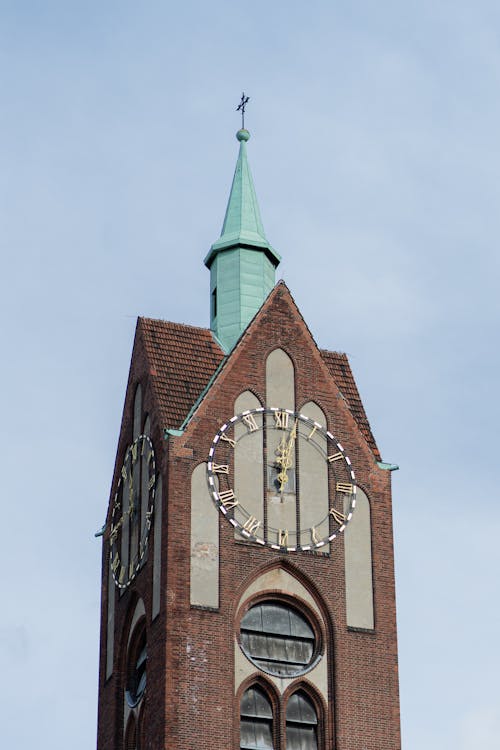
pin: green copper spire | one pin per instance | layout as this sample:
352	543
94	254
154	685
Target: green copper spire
241	262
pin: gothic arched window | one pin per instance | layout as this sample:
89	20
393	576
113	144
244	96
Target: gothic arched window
136	665
256	725
301	723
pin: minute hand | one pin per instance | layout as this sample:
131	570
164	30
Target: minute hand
286	460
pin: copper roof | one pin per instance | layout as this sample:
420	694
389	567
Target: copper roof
182	359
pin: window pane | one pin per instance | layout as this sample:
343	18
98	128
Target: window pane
301	723
256	726
278	638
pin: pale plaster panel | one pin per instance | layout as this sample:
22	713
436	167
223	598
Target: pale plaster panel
281	504
249	462
280	392
204	589
358	566
281	580
110	625
157	549
280	380
314	503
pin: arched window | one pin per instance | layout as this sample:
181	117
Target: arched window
301	723
256	725
136	665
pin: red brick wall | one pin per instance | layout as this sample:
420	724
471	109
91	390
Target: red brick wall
190	700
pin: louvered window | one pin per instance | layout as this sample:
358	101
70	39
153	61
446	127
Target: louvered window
301	723
278	639
256	728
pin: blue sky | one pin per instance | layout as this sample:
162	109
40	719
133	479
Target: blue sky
375	154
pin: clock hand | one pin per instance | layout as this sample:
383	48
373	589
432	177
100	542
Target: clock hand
287	457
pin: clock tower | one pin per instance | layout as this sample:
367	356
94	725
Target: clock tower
248	593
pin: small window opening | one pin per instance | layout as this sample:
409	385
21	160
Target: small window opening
214	302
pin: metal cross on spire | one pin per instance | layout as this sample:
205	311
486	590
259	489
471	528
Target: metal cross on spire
241	107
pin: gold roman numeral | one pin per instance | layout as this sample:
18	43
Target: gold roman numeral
337	516
251	525
114	534
116	563
312	432
283	537
346	487
134	452
220	468
281	419
314	536
123	573
335	457
124	472
227	439
151	482
228	499
250	422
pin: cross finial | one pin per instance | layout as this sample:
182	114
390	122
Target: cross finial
241	107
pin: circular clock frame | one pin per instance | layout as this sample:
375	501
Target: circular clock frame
293	426
123	575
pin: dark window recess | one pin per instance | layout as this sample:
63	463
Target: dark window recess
214	302
278	639
136	668
256	727
301	723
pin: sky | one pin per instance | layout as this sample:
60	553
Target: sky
375	152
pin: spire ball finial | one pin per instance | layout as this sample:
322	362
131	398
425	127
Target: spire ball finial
242	135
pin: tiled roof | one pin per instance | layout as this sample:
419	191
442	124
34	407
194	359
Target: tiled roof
182	359
339	366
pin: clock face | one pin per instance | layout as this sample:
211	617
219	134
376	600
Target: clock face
132	512
281	479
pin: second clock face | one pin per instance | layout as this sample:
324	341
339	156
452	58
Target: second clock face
281	479
132	511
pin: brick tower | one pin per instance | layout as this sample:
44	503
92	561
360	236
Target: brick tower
247	580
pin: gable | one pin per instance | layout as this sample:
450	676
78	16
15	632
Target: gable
183	359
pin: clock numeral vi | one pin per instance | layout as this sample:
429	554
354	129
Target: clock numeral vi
283	537
314	536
